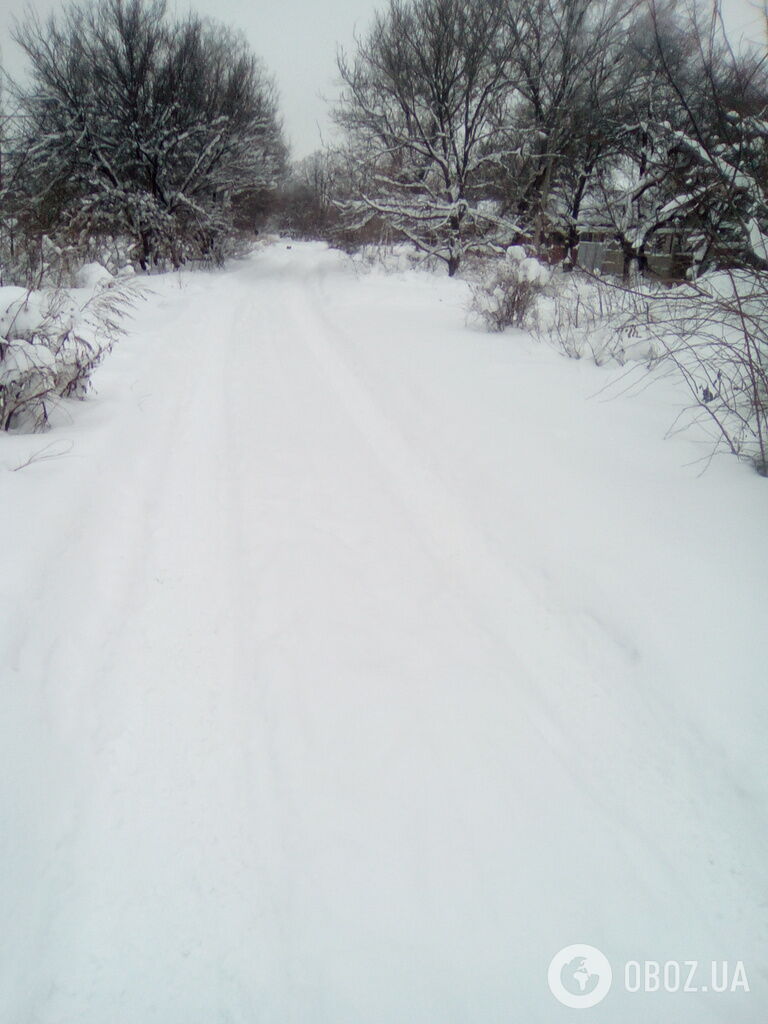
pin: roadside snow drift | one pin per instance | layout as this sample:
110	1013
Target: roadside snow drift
355	661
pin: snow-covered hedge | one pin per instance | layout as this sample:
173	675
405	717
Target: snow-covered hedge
54	260
590	317
713	332
52	339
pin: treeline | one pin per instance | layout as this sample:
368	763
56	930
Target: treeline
522	128
466	126
470	125
156	135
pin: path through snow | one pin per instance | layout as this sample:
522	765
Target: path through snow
355	662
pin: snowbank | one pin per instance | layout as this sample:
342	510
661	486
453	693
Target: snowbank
711	333
51	341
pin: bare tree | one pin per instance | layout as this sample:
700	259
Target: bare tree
423	102
141	126
695	157
566	61
312	191
720	142
721	186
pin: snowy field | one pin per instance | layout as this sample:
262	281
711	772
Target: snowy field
355	661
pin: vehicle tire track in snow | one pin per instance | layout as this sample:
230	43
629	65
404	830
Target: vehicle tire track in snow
571	656
317	764
455	543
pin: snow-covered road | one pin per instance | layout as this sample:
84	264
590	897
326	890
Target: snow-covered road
354	662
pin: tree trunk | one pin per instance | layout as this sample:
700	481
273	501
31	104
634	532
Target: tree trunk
635	263
573	233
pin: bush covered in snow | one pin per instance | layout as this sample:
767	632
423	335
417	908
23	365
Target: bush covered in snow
35	260
600	319
52	339
505	291
392	258
713	332
717	338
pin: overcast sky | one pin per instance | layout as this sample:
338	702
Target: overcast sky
297	40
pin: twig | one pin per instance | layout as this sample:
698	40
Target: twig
44	453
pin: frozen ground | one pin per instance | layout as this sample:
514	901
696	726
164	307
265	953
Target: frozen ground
354	661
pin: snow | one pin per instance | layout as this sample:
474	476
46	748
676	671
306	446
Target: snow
356	661
22	313
526	267
758	240
93	276
51	339
21	357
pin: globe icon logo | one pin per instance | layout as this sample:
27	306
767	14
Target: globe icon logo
579	976
576	979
